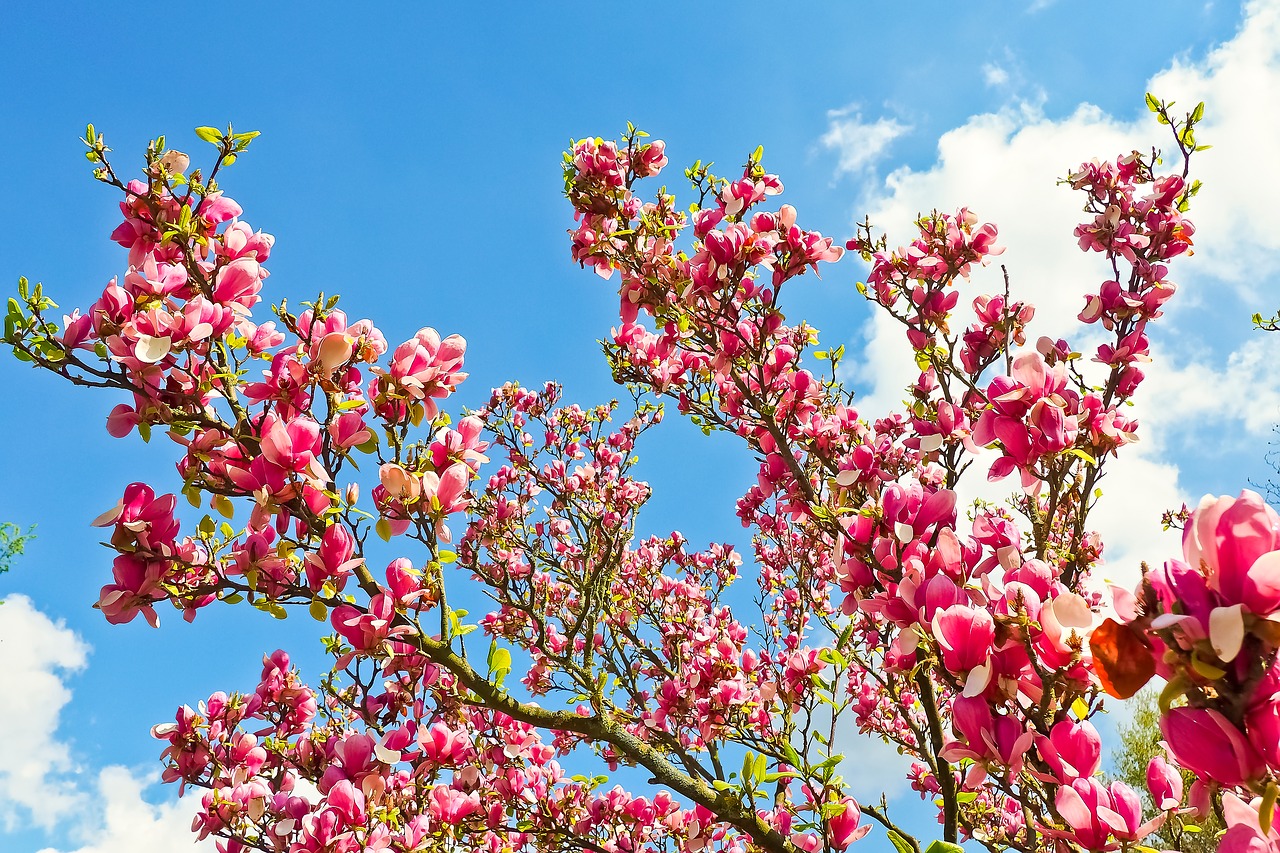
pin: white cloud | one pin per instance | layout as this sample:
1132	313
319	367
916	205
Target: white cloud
35	652
859	144
1003	165
993	75
1242	395
124	822
1234	213
40	781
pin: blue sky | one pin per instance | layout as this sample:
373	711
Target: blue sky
410	161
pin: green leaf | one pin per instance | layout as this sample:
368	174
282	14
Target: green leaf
1267	811
1153	103
318	611
1198	112
1089	460
899	843
832	809
499	663
1205	669
758	154
943	847
447	557
209	134
383	529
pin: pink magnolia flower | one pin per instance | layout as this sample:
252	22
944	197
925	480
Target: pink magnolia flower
218	208
447	492
401	484
294	447
1101	818
1164	781
451	806
986	737
965	635
1032	414
239	283
1072	750
1206	743
843	828
334	560
349	430
1238	541
333	351
425	369
239	240
1262	719
443	745
348	801
461	444
404	583
368	629
143	519
1244	827
137	587
648	160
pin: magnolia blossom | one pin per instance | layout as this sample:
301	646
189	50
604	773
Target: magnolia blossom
970	638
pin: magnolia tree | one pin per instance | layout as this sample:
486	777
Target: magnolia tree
970	635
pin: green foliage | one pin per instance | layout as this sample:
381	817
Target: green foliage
1139	742
13	541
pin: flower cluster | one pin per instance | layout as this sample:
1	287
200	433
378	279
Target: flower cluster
972	638
1209	624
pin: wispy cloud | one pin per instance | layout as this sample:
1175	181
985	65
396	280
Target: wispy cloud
994	76
859	144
